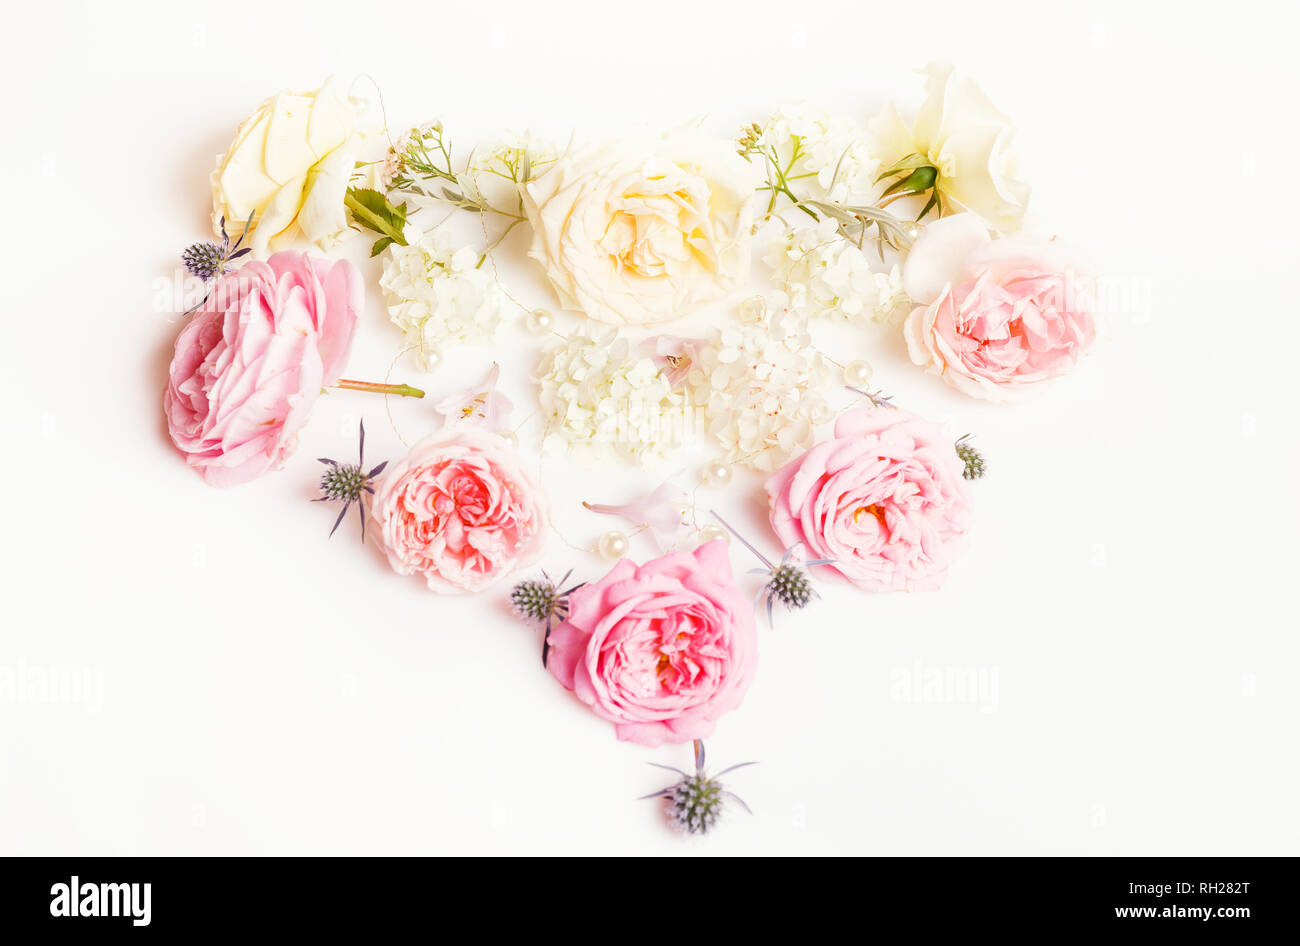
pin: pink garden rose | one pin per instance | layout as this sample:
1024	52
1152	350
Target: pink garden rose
661	650
994	316
460	511
253	359
884	498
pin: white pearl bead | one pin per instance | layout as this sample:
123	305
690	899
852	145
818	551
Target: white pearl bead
432	359
613	544
509	437
857	374
713	533
539	321
717	473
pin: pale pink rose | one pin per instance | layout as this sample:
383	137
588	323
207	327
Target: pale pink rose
460	511
994	316
253	359
884	499
661	650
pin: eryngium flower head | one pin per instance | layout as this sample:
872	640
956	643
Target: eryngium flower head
209	260
696	801
343	483
541	601
787	582
974	461
696	804
204	260
790	585
538	599
347	483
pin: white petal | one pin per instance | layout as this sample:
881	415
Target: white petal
939	255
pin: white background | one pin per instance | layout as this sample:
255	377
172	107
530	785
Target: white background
190	670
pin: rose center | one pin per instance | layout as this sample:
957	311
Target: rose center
872	510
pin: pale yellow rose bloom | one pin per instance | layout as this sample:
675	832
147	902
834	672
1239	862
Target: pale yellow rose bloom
962	134
631	235
290	165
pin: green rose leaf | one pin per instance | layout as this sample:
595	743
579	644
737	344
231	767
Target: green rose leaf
376	212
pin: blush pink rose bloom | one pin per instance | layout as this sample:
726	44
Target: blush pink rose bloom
884	498
460	511
251	362
661	650
994	317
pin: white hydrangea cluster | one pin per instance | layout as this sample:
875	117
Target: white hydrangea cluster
829	155
824	274
496	170
599	398
439	296
762	386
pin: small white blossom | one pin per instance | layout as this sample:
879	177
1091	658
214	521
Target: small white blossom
833	158
496	171
826	275
600	398
439	296
479	405
763	387
380	173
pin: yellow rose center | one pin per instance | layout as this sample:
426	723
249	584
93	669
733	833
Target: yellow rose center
872	510
659	226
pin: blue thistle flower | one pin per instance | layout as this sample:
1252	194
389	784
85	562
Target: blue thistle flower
346	483
696	800
787	582
540	601
972	459
207	261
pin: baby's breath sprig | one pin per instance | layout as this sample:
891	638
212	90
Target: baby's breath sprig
345	483
695	801
541	601
425	169
425	156
779	175
747	143
854	221
428	171
788	582
972	458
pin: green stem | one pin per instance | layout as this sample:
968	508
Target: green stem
397	390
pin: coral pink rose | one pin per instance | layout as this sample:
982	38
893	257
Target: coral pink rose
994	316
661	650
460	511
251	362
884	499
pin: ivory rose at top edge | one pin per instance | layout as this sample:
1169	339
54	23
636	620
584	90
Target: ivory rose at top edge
967	140
290	164
631	236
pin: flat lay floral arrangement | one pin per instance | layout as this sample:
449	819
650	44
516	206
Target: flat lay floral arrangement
903	222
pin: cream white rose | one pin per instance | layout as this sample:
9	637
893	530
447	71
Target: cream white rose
290	165
967	140
638	236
